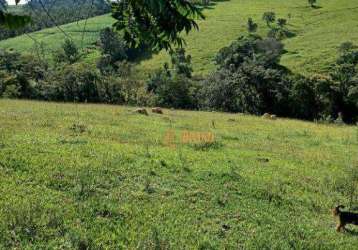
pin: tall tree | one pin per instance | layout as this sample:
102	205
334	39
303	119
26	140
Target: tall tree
157	23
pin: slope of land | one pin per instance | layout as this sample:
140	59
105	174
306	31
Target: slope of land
102	177
319	31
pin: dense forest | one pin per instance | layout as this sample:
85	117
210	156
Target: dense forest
49	13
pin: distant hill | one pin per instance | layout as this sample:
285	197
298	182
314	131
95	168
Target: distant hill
319	31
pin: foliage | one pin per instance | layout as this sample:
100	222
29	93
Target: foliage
60	12
251	25
68	53
158	23
313	51
269	17
266	51
345	85
312	2
112	45
115	51
248	79
173	86
10	20
181	63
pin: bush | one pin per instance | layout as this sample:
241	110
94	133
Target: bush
80	84
173	91
68	53
112	46
115	50
17	74
173	86
251	89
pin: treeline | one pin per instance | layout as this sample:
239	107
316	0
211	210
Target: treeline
249	79
57	12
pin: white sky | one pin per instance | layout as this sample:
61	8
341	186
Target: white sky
12	2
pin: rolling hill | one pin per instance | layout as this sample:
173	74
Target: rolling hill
319	31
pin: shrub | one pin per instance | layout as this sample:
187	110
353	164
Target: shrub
116	51
112	46
251	26
249	78
68	53
269	17
78	83
173	86
251	89
266	52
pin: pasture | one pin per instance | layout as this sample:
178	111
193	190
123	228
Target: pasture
85	176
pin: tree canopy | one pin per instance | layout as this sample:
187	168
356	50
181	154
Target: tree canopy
157	23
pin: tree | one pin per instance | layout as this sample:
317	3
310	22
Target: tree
251	26
68	52
181	63
157	23
269	17
112	45
9	20
312	2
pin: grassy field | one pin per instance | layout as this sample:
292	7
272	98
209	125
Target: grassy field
102	177
318	31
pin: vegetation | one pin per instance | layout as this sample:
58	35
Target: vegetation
312	50
49	13
312	3
249	79
129	179
9	20
94	176
156	23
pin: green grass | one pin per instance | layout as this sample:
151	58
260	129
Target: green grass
98	176
318	33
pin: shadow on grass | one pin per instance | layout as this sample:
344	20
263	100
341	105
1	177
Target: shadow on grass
352	232
212	4
316	7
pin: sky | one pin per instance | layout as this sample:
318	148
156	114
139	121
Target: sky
11	2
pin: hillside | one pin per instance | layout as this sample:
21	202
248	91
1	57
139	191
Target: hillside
101	177
318	32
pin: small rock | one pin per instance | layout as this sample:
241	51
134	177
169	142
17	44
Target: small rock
266	116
